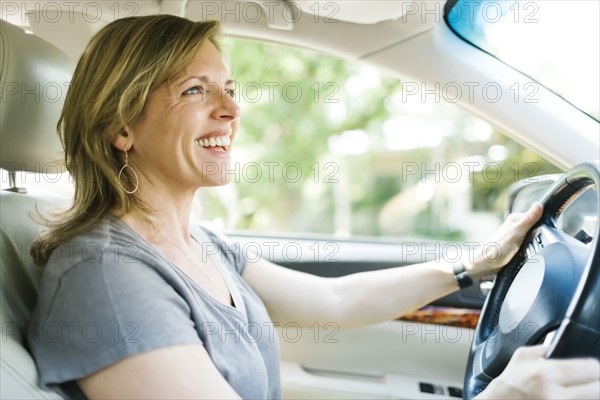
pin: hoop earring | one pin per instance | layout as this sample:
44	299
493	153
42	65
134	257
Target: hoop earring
132	171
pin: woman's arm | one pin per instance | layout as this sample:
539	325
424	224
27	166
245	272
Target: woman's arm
375	296
175	372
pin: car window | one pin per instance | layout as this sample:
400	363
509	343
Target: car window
333	147
555	42
580	216
50	177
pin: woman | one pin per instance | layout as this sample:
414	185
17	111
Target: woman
141	308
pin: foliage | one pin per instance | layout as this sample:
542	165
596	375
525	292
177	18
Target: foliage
292	176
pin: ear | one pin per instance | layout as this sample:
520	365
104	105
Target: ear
122	140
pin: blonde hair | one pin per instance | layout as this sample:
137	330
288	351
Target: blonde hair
121	65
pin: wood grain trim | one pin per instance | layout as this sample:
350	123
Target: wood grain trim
460	317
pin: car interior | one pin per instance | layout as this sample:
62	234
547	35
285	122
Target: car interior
414	358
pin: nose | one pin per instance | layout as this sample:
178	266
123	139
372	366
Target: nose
225	107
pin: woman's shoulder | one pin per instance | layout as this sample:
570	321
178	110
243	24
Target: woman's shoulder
109	242
110	258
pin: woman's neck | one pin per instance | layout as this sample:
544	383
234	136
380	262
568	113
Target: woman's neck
170	217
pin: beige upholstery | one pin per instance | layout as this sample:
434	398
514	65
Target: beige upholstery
35	77
28	142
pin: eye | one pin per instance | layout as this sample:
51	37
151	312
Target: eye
197	89
230	92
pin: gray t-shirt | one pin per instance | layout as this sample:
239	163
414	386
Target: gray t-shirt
108	294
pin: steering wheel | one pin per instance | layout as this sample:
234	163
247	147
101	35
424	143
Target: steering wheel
549	292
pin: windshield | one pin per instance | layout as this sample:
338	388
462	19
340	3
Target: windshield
555	42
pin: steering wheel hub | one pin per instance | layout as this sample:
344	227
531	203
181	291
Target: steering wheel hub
522	294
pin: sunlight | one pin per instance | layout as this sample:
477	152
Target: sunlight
527	38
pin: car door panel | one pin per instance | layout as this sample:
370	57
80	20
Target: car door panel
387	360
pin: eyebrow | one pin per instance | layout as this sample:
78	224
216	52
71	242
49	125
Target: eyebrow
204	79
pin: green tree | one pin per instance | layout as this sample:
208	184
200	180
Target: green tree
295	103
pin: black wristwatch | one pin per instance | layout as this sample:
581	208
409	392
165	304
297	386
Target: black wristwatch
461	275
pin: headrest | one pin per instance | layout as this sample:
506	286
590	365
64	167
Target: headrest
34	78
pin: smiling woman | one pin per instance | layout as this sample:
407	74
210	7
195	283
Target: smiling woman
186	129
106	101
189	316
142	140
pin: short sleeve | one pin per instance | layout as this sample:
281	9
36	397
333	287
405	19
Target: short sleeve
101	312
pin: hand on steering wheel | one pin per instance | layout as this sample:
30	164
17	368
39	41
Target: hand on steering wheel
548	291
529	375
504	244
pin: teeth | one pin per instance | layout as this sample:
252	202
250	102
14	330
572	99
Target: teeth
214	141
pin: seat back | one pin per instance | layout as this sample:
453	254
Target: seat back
30	69
19	278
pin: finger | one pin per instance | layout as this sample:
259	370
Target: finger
587	391
590	390
576	371
532	215
531	352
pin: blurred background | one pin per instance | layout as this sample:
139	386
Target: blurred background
328	146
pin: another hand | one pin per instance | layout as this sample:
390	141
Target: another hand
529	375
502	246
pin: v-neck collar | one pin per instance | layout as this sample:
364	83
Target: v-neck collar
238	303
225	272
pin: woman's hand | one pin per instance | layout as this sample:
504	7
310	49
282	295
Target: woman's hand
529	375
502	246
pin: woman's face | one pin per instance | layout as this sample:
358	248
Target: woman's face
183	139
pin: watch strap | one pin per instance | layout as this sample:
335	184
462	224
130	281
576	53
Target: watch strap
463	279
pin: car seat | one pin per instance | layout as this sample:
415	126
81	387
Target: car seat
34	77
